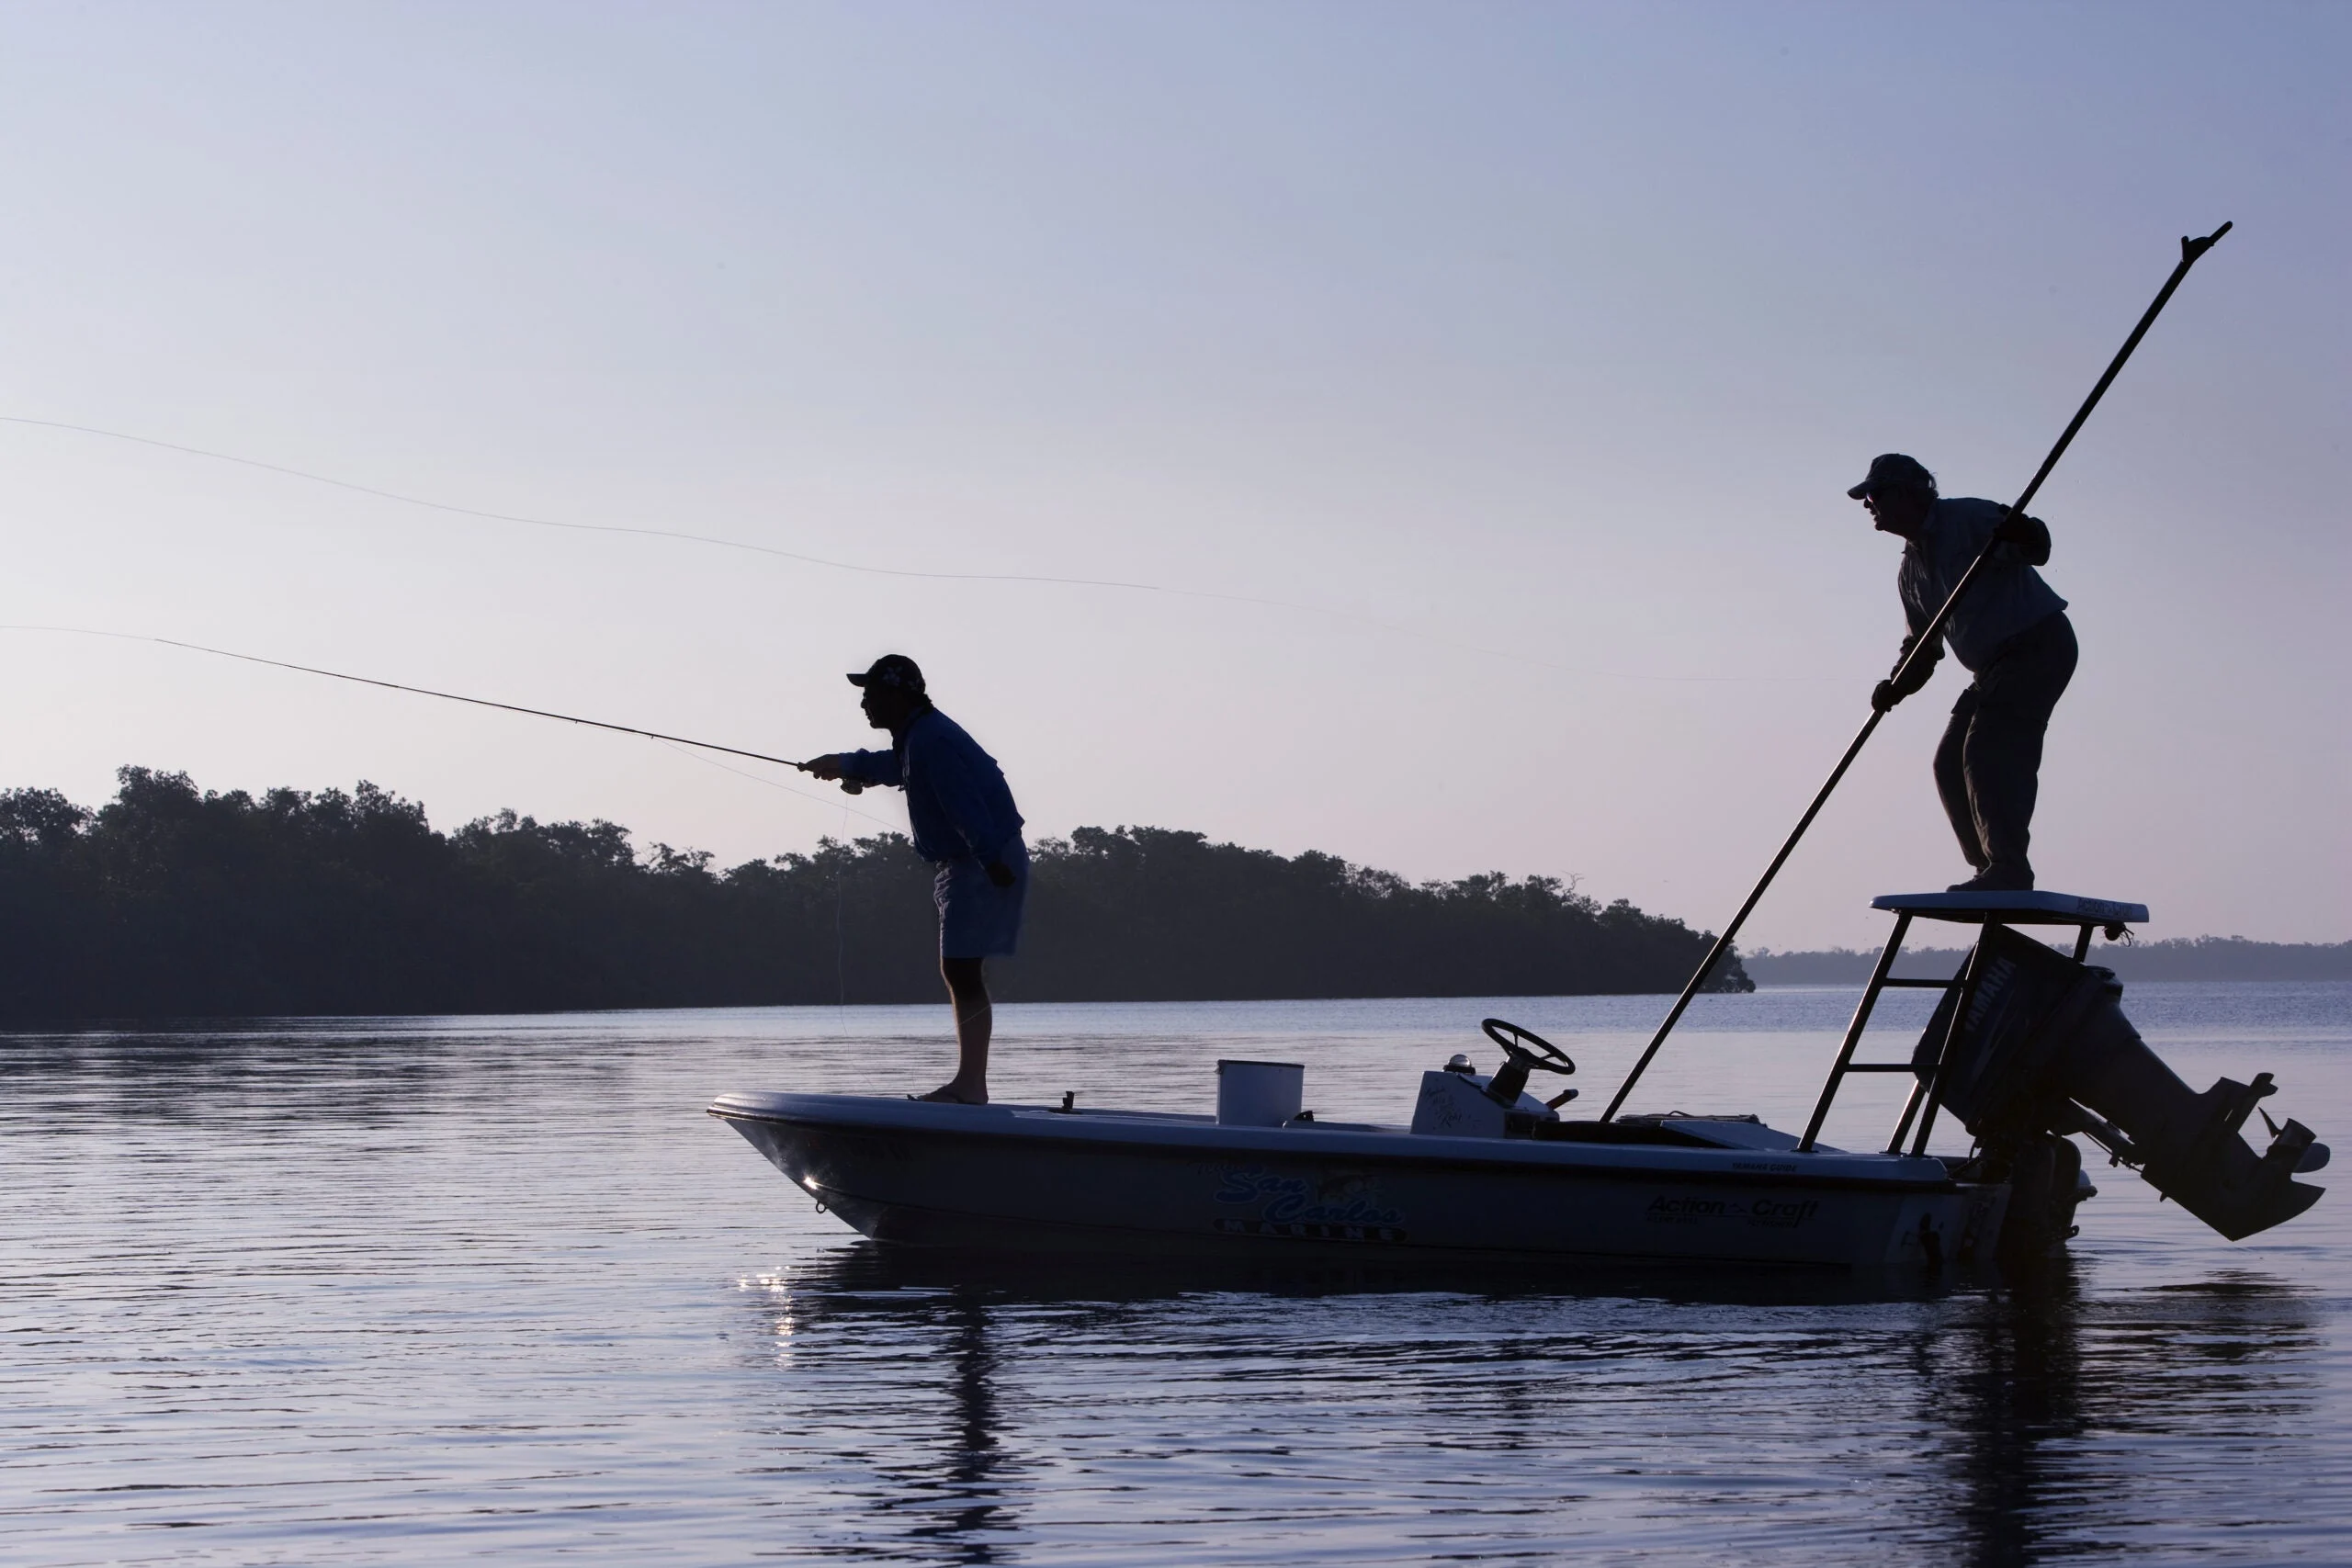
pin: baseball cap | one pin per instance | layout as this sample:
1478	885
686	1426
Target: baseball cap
891	670
1892	470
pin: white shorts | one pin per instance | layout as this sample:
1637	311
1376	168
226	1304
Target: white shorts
977	918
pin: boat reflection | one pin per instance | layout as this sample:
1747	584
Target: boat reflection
2012	1418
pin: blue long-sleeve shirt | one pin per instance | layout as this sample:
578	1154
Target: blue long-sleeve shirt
958	802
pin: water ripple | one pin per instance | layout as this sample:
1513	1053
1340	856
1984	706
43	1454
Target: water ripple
392	1291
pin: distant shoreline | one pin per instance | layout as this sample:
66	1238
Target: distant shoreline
2176	958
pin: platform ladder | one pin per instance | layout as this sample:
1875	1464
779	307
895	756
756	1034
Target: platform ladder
1927	1095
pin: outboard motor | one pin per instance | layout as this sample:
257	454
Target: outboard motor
2045	1049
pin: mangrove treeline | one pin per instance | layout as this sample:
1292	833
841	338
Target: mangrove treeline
2173	958
168	901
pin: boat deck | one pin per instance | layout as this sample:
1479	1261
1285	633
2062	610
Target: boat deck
1710	1147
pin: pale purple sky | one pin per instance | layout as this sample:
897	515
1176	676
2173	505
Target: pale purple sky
1530	348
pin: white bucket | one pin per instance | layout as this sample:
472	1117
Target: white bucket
1259	1094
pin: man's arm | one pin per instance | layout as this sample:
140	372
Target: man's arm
857	768
1886	694
1919	615
2023	539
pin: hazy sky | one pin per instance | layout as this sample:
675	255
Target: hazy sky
1523	353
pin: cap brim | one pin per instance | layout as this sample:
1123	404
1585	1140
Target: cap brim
857	678
1856	494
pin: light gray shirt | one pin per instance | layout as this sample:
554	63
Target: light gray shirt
2009	597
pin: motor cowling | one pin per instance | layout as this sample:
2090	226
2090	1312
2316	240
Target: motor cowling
2045	1049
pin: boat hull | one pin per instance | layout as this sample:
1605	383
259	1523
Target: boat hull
1029	1180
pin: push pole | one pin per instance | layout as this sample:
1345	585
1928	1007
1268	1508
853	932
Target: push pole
1922	647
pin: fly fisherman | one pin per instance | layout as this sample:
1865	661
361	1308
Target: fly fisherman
965	823
2012	632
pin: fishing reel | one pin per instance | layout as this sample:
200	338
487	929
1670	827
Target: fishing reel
1524	1051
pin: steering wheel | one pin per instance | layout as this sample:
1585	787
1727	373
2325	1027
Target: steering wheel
1551	1059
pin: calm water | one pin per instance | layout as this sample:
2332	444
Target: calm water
430	1289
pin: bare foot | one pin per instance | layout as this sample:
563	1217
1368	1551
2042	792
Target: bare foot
947	1094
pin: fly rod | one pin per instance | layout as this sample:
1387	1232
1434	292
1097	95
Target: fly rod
477	702
1922	647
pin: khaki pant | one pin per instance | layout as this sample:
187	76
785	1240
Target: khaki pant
1988	765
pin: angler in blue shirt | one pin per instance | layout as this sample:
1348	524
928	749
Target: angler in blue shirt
963	822
2011	633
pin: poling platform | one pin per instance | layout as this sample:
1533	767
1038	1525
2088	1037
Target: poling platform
2015	908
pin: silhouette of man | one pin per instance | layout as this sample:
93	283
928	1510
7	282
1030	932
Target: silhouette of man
2012	632
965	823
